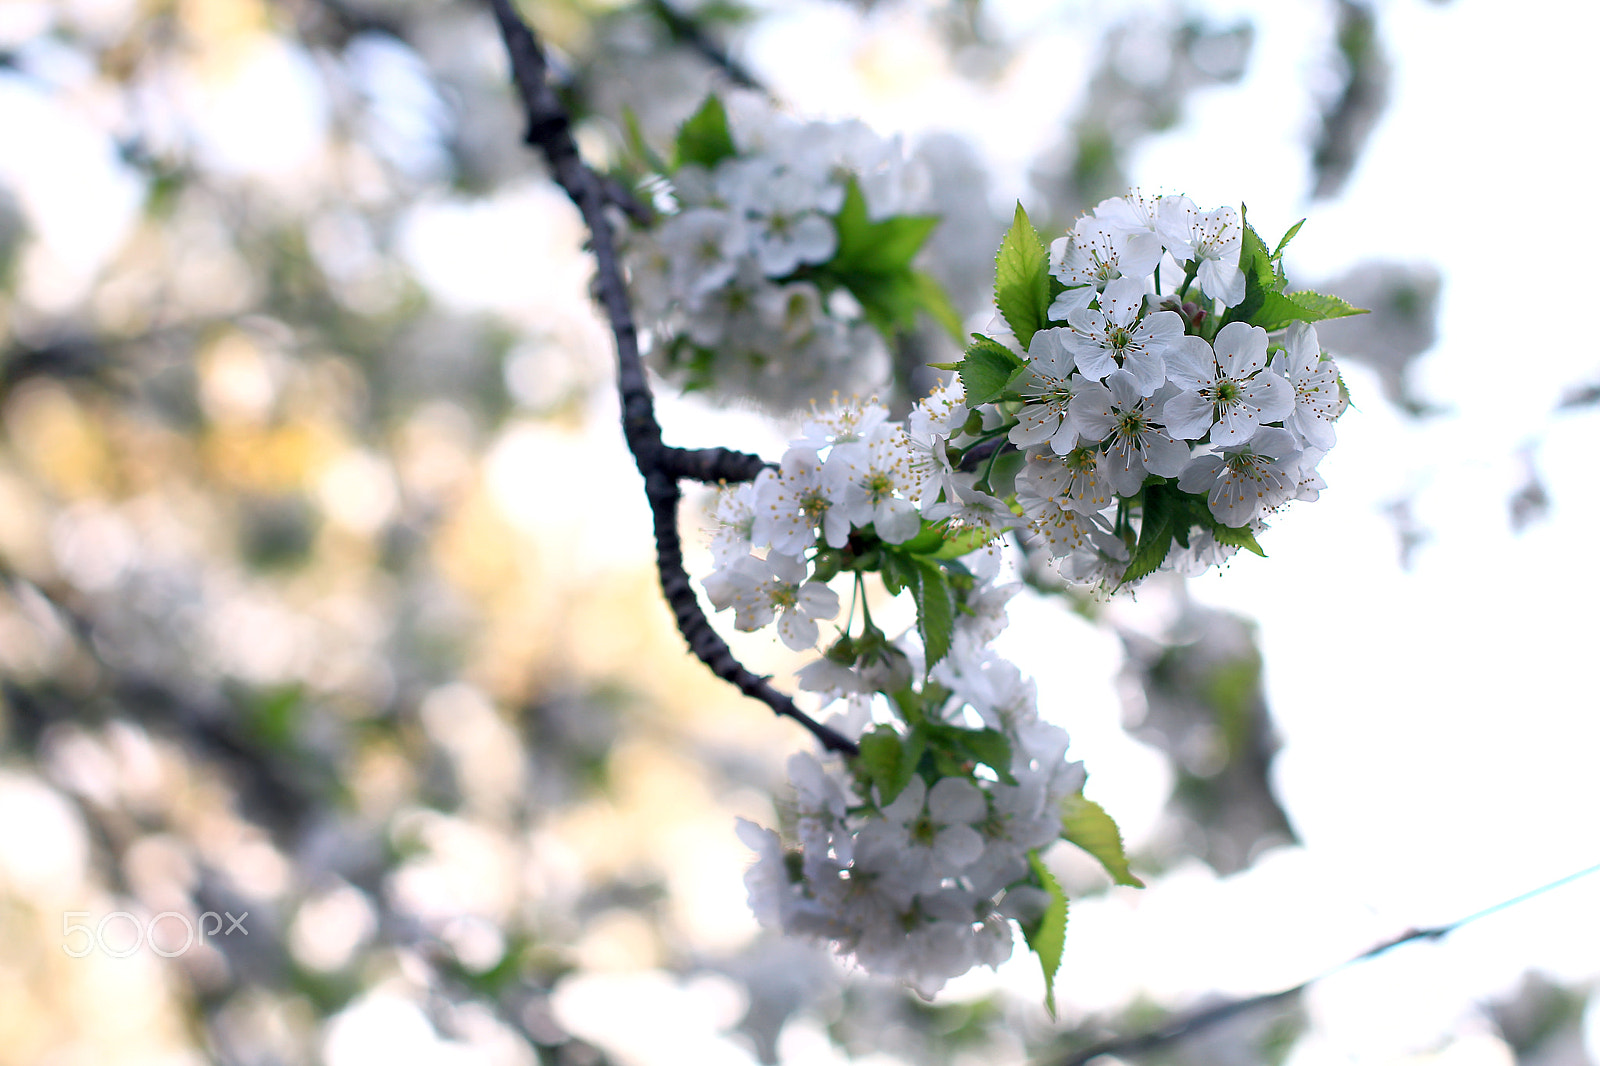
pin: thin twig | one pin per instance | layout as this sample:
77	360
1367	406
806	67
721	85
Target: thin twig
689	32
662	466
1196	1021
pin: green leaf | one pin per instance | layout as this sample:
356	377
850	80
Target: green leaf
987	368
926	542
886	246
704	138
886	762
873	261
1278	309
1277	253
1237	537
1189	509
937	303
968	540
935	610
1086	824
1022	279
963	745
1259	279
899	571
889	301
1155	535
273	715
1254	258
990	747
1047	937
641	149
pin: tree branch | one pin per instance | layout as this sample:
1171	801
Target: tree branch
550	132
689	32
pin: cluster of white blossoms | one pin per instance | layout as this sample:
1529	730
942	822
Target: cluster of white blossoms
852	469
1141	387
739	285
908	858
1153	430
922	884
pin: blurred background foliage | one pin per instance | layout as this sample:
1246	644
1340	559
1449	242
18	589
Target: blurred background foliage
325	594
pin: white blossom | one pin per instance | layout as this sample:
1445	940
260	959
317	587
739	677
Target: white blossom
760	590
1227	389
879	482
1049	385
1214	240
1076	479
1315	382
1093	255
1119	415
967	507
1115	337
928	831
734	515
703	246
846	422
1246	479
1137	218
803	498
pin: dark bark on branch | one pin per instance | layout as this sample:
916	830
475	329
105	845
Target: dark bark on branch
690	33
1197	1021
712	465
1177	1030
549	131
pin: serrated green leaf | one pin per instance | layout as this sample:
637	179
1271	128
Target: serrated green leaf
1086	824
1189	508
723	11
935	610
1259	277
1155	535
852	225
1237	537
704	138
898	570
937	303
986	369
1022	279
1277	252
1254	258
274	714
1278	309
1047	937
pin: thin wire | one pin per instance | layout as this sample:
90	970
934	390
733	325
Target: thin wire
1193	1022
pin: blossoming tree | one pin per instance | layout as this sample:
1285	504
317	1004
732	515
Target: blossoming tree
314	589
1156	429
